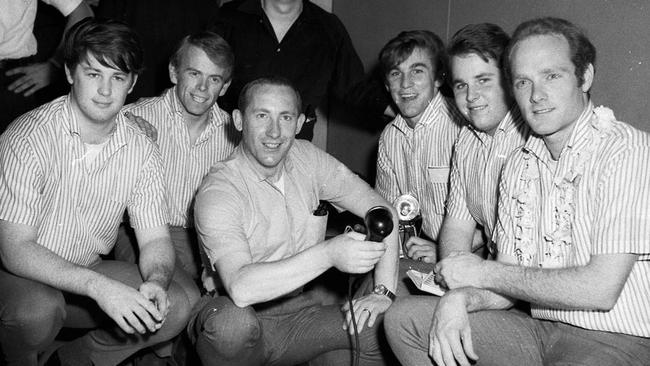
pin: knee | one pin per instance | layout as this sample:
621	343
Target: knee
35	316
226	330
394	319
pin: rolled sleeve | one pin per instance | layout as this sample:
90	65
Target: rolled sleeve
456	205
19	182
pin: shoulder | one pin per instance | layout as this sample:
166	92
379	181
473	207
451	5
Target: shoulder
155	109
37	122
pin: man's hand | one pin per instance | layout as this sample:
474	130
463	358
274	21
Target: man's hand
367	309
34	77
128	307
158	296
460	269
421	249
450	337
351	254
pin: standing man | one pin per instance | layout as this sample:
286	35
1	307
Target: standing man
68	170
297	40
570	240
193	132
260	222
415	149
20	75
495	129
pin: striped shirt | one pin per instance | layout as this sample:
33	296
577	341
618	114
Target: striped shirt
416	160
77	204
476	169
185	164
594	200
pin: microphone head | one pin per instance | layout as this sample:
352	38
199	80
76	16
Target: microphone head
379	223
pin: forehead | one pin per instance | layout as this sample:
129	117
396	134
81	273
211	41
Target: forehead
195	57
541	52
472	64
90	61
418	56
273	97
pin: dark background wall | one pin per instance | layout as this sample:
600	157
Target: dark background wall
618	28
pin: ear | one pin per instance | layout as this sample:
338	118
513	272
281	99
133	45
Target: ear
588	78
68	74
301	121
173	76
224	88
237	118
135	80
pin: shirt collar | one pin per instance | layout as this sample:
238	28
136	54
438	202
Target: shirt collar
429	116
510	122
70	123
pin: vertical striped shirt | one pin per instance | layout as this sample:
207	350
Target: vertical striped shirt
77	203
417	160
594	200
476	168
185	164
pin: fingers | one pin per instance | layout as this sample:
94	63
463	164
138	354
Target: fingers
468	346
435	352
15	71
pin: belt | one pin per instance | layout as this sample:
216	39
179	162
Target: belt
10	63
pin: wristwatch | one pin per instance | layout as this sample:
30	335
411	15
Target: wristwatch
382	290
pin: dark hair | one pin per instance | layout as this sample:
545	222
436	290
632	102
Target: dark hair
401	47
112	43
247	92
217	49
486	40
582	52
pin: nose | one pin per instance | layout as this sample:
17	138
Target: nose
537	93
273	129
472	94
105	87
405	80
203	84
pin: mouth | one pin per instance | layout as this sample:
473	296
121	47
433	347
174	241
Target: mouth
543	110
408	96
101	104
477	108
271	145
198	99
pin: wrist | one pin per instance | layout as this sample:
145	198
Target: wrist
384	291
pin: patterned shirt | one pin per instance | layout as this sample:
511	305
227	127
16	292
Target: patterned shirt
476	168
185	164
593	200
237	209
416	160
77	203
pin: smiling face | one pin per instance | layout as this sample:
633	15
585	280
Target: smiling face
199	82
269	125
478	91
546	87
98	92
412	85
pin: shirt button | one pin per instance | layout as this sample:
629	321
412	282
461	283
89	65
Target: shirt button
278	50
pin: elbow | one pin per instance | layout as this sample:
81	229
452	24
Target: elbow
240	295
607	301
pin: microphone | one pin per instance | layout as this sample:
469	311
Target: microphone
379	223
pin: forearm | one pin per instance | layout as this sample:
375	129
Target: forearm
386	270
156	262
595	286
477	299
81	12
455	235
260	282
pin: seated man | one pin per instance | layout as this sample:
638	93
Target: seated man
68	170
570	240
259	220
193	134
495	130
415	149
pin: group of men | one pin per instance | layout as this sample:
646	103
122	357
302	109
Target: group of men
522	164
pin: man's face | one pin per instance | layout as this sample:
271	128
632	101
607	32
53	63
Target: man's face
269	126
412	84
98	92
478	91
199	82
545	85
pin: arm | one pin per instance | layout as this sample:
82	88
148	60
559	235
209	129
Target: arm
40	74
386	181
156	264
455	235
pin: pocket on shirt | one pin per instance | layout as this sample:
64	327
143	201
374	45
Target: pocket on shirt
316	228
439	179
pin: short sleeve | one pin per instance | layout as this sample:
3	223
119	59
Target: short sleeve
622	217
456	200
386	181
20	182
504	232
64	6
147	204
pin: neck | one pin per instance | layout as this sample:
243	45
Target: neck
195	124
94	132
282	10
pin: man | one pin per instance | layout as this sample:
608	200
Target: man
20	75
261	225
68	170
193	132
297	40
495	129
415	148
570	240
